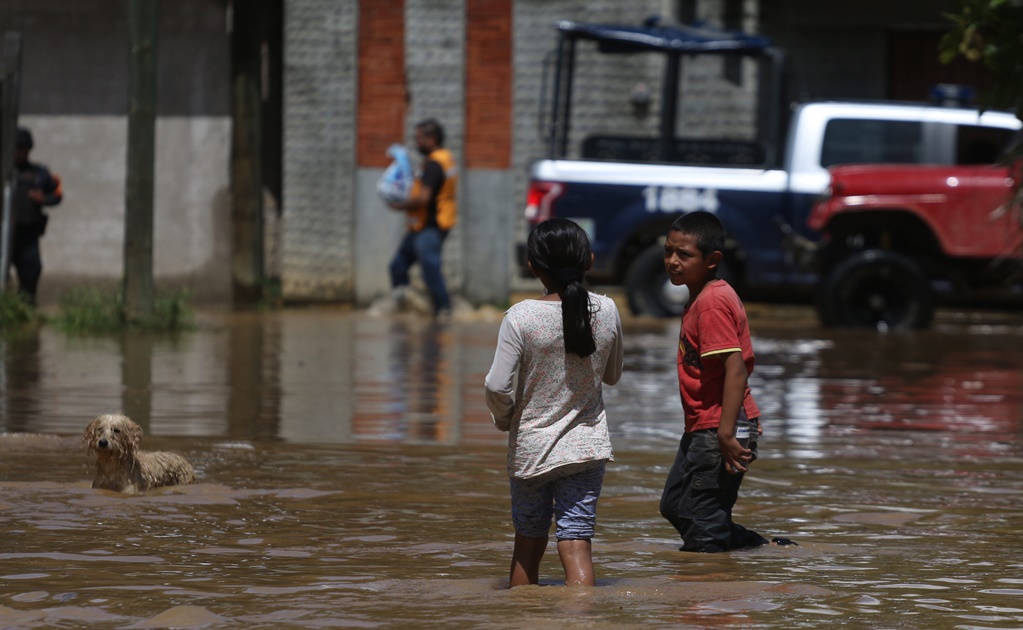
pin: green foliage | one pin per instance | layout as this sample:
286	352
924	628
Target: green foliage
272	298
89	310
14	311
989	32
95	311
171	312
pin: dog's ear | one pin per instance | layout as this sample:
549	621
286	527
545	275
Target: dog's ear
89	437
134	435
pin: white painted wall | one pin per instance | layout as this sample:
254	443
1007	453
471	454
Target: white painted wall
84	242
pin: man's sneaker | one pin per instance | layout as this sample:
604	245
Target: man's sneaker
389	304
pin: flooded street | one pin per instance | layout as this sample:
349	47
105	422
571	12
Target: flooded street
350	476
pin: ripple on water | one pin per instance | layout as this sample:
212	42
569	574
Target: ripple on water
1014	592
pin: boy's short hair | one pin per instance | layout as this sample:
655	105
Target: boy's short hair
705	227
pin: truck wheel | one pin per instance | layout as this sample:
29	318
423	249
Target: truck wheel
648	289
876	289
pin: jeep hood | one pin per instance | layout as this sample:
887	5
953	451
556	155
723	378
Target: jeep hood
915	179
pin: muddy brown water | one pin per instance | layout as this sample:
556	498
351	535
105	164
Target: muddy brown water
350	476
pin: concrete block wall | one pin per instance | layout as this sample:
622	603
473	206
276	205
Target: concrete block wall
318	229
712	105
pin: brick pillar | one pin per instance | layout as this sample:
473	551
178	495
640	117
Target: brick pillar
383	98
383	110
488	83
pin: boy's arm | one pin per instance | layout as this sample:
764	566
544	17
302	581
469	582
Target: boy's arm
735	456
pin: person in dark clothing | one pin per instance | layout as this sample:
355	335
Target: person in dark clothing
35	187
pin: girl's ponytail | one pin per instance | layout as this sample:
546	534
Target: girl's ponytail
575	313
560	250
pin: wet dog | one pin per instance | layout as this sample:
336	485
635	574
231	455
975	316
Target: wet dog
122	467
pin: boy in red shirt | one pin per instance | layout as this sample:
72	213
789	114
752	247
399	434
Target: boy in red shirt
722	422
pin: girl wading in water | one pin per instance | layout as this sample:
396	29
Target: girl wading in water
561	347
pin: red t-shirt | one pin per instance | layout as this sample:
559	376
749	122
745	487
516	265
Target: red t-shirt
715	322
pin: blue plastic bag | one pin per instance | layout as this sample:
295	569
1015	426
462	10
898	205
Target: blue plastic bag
396	182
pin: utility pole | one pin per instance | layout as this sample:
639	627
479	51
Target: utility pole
247	35
138	210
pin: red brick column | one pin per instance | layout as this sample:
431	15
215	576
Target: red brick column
488	89
383	98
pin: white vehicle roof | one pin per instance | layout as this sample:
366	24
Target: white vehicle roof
810	119
908	111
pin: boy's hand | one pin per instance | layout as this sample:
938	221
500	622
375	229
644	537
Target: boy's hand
734	456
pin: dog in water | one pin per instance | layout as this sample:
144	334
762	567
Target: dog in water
122	467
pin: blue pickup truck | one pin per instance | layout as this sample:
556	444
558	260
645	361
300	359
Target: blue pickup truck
625	190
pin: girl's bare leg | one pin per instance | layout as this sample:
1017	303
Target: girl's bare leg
525	564
577	559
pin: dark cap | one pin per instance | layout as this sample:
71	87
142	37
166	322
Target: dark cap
24	138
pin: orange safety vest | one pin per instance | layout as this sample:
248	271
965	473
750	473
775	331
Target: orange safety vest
447	208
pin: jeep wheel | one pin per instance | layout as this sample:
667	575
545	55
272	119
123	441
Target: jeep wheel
876	289
648	289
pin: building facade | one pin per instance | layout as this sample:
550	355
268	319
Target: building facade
346	79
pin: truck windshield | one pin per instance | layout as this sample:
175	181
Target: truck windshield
663	94
632	104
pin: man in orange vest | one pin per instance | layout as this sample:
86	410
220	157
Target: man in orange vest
431	212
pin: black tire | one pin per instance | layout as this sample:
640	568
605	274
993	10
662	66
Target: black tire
648	289
876	289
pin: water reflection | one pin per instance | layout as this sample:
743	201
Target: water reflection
322	376
351	379
19	378
253	369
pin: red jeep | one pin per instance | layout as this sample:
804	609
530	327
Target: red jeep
897	237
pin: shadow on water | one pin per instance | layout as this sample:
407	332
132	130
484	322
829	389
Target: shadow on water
350	475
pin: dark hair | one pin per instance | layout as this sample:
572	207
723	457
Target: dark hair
705	227
23	138
432	128
560	251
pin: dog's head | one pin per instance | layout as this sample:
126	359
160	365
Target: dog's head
112	434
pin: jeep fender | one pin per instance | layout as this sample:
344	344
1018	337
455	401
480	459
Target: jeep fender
889	228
